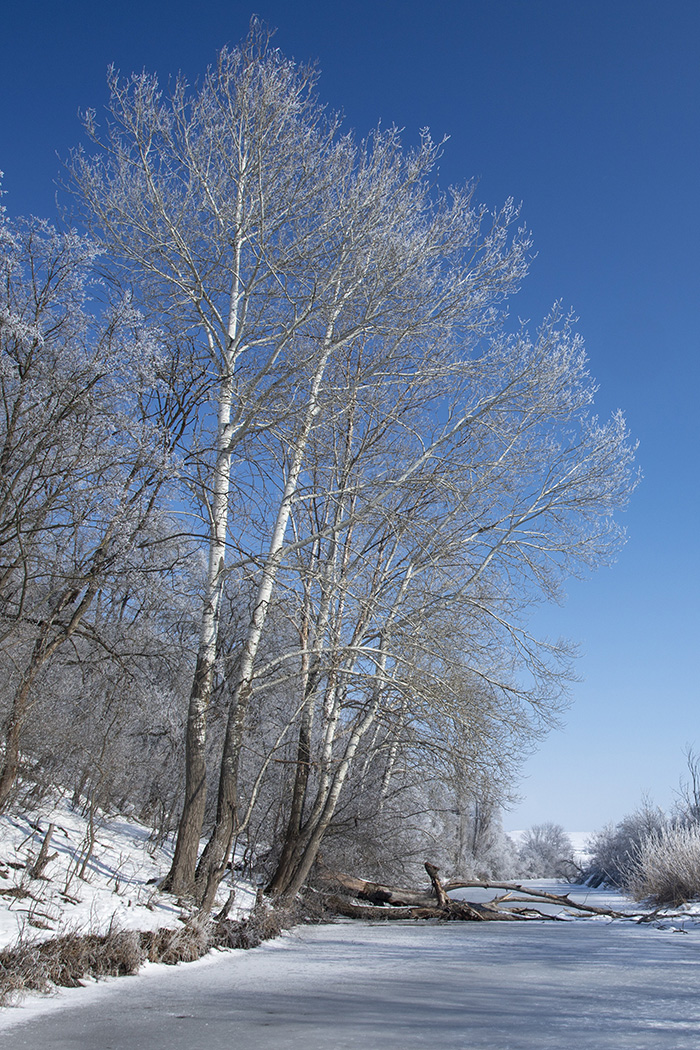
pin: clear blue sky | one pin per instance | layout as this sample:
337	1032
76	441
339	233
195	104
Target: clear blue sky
588	112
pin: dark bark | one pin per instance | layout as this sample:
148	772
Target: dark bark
37	869
212	863
375	892
458	911
292	839
438	890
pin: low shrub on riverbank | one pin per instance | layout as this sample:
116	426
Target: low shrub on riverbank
66	961
666	866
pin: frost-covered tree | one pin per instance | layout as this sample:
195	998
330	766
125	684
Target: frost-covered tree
417	615
252	228
546	852
614	849
81	464
366	444
220	202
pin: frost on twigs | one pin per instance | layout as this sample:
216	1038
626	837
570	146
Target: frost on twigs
665	867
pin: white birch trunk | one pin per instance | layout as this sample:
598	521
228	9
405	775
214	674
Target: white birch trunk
214	854
180	879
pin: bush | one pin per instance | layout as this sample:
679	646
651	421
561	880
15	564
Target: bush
615	849
65	961
178	944
666	866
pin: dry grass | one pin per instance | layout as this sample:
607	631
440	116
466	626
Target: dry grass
66	961
185	943
262	924
666	866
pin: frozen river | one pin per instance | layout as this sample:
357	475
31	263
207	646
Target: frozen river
462	986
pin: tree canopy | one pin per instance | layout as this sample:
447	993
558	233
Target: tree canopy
290	450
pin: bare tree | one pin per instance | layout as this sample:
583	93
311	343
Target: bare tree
384	453
431	583
615	849
80	466
409	273
250	225
546	851
206	199
688	801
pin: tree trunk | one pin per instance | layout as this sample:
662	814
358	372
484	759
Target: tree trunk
180	878
294	825
214	856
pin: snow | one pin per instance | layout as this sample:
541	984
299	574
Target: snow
580	840
590	982
503	986
117	888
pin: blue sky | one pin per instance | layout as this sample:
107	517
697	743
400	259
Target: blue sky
589	113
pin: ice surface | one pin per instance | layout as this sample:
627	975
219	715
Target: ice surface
449	986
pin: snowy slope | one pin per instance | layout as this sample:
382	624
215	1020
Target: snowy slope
117	885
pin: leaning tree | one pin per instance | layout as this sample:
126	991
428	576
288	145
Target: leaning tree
363	435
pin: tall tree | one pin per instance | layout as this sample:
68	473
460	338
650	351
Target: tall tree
420	612
363	431
248	225
207	200
407	271
80	464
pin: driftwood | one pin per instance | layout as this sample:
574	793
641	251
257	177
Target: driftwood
562	900
393	902
459	910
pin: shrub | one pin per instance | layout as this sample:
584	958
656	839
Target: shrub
64	961
179	944
615	849
666	866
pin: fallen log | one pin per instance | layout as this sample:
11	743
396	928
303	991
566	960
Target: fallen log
374	892
513	887
392	902
456	910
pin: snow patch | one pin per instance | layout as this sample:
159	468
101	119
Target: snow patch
97	876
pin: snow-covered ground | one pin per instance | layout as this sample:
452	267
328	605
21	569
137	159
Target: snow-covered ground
585	982
597	984
117	885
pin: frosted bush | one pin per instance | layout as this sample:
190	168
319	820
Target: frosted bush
667	866
615	849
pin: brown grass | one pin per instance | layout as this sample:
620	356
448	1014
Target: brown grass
66	961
